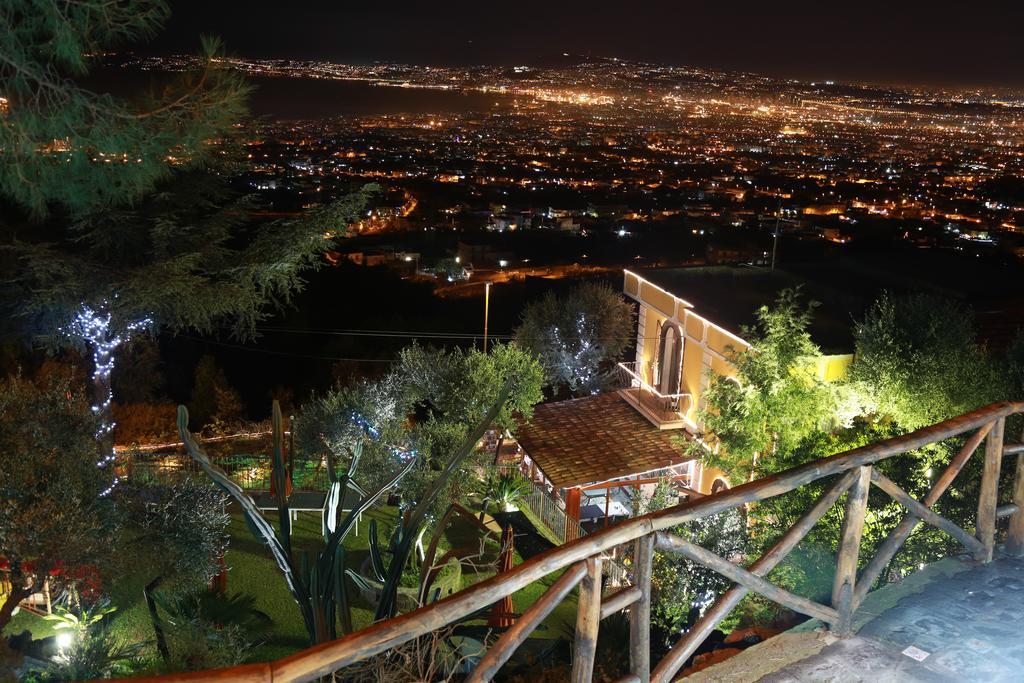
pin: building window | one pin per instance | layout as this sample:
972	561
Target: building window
670	354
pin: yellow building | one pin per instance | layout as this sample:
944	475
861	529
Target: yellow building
591	453
677	348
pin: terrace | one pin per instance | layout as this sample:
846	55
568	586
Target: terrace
665	411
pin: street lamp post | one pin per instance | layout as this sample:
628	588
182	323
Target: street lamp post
775	240
487	310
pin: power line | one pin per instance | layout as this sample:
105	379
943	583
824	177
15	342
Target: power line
380	333
286	353
422	335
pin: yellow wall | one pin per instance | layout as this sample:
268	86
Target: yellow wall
631	286
701	337
651	333
693	367
659	298
722	342
833	368
708	475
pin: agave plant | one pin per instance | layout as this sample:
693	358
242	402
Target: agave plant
319	586
404	538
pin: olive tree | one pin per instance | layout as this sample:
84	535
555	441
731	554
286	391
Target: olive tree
579	336
918	356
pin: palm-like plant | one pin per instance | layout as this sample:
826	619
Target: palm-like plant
505	491
213	607
210	629
89	650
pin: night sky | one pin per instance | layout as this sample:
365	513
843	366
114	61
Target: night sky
898	41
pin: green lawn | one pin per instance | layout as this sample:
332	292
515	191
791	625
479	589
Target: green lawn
252	570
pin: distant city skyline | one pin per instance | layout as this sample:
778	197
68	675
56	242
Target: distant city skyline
926	43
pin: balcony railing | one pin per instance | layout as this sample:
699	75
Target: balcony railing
579	562
666	411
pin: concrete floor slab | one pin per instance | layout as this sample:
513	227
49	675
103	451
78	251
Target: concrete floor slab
967	618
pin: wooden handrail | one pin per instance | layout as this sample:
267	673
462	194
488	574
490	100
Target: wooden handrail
500	651
325	658
797	603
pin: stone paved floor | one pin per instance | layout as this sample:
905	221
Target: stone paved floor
971	624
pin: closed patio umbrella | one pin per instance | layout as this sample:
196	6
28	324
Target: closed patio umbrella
501	614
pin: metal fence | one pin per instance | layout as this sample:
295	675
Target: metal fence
635	382
250	471
551	512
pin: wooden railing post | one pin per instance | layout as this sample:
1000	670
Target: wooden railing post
988	500
640	613
1015	536
588	619
849	550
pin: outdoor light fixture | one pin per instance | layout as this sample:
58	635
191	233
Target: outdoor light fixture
64	640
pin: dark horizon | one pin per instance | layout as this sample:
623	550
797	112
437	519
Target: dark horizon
916	43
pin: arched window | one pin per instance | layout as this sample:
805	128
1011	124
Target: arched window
670	353
719	485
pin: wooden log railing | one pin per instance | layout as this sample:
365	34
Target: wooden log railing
580	562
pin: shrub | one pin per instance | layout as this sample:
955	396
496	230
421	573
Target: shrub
140	423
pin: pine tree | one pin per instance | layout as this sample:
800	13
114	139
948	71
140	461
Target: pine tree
116	216
213	397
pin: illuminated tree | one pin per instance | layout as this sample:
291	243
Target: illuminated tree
918	357
451	389
679	586
577	337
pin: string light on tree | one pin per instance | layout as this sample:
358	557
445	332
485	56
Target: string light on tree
403	455
94	326
579	361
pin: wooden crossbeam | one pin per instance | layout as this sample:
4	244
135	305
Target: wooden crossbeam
1007	510
588	619
797	603
672	662
926	514
896	538
1015	534
988	498
852	531
640	614
619	600
506	645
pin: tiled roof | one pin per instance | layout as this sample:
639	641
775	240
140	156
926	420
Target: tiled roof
596	438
